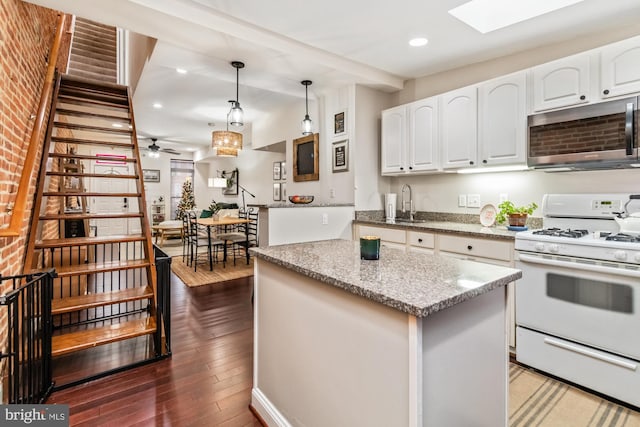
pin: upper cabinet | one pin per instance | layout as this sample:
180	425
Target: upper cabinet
561	83
394	140
502	127
459	126
410	138
620	68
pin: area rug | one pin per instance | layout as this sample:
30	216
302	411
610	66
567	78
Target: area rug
537	400
204	276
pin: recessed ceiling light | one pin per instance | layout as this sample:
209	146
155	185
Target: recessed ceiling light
157	105
181	71
190	149
491	15
116	125
418	41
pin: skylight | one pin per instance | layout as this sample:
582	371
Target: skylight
491	15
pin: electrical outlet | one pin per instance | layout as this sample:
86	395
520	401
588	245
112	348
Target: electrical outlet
462	200
473	200
325	219
332	193
504	197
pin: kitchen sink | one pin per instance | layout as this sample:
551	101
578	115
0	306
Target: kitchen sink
410	221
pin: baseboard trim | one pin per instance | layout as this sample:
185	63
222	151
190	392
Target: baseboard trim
264	409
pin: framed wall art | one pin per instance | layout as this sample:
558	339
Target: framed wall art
151	175
340	156
276	171
305	158
340	123
283	170
276	192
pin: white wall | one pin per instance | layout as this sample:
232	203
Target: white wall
163	188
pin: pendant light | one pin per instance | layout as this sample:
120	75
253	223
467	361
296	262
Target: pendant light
226	142
307	124
236	115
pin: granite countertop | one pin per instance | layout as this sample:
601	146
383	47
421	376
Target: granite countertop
468	229
415	283
308	205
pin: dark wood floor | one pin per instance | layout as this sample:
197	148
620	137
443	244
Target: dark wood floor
206	382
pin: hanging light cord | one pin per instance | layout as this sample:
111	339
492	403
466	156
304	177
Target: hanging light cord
306	98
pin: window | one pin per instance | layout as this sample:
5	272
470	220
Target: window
181	171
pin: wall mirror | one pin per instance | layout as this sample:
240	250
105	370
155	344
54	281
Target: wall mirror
305	158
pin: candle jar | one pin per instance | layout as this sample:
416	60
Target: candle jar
369	247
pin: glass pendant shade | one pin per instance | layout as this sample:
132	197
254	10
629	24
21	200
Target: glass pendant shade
306	124
236	115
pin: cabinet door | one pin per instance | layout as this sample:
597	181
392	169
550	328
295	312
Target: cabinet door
459	128
423	135
561	83
620	68
503	121
394	127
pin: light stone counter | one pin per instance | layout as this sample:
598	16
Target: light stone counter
417	284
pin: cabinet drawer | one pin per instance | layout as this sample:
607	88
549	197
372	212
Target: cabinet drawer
423	240
476	247
385	234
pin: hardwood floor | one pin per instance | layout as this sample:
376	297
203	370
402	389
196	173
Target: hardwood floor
207	381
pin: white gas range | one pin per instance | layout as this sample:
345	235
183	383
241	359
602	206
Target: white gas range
578	303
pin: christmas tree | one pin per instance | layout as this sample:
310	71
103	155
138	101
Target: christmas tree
187	202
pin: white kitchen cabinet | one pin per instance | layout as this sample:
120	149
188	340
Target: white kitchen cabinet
421	242
459	129
502	127
619	68
410	138
394	140
561	83
489	251
423	135
389	237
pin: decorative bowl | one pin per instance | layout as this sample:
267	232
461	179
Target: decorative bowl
301	200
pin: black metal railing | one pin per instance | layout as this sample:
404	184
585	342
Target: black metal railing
163	311
27	306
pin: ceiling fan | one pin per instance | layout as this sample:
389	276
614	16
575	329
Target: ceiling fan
155	148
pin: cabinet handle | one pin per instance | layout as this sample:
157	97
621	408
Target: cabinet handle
582	97
469	247
606	91
471	162
419	240
484	161
410	168
401	169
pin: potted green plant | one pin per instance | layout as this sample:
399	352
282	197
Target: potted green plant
516	216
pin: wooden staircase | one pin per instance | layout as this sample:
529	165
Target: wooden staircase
90	223
93	51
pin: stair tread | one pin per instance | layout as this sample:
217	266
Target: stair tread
100	267
91	142
89	194
104	129
94	96
69	80
81	302
91	216
91	175
76	99
88	157
92	88
77	113
81	340
82	241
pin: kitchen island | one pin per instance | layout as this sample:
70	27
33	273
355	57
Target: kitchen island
410	340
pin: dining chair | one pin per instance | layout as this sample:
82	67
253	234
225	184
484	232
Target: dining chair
199	239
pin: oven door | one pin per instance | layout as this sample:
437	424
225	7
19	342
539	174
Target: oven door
593	304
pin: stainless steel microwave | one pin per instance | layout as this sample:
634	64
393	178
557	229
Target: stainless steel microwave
597	136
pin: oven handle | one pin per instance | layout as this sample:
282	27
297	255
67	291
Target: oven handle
582	267
592	354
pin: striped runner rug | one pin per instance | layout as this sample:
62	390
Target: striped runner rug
537	400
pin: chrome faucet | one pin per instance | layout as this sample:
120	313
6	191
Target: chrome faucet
404	203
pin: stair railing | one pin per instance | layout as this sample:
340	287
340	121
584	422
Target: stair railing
28	346
20	203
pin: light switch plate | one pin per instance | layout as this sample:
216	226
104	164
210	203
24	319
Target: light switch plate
462	200
473	200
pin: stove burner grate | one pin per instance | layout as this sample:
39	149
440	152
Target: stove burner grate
574	234
622	237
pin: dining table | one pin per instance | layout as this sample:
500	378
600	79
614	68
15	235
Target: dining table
224	221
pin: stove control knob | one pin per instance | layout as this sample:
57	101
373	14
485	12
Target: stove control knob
554	248
539	247
620	255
